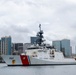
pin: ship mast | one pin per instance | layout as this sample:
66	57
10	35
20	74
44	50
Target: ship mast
40	36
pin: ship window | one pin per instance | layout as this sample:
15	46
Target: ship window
40	50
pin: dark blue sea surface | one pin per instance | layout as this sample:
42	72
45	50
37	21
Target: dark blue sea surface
38	70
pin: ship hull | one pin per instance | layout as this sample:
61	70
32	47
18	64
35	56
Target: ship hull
23	60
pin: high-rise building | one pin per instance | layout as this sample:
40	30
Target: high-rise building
57	45
64	46
33	40
17	47
6	45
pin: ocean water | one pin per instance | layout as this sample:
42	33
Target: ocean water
38	70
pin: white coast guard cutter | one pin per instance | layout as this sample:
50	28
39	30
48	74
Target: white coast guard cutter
38	55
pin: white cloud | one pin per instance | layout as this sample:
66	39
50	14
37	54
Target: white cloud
71	1
20	19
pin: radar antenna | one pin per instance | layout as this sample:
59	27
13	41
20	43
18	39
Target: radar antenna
40	26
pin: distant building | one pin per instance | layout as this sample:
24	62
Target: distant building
75	49
17	47
33	40
64	46
6	45
57	45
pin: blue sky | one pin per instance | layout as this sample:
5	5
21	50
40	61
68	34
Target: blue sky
20	19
